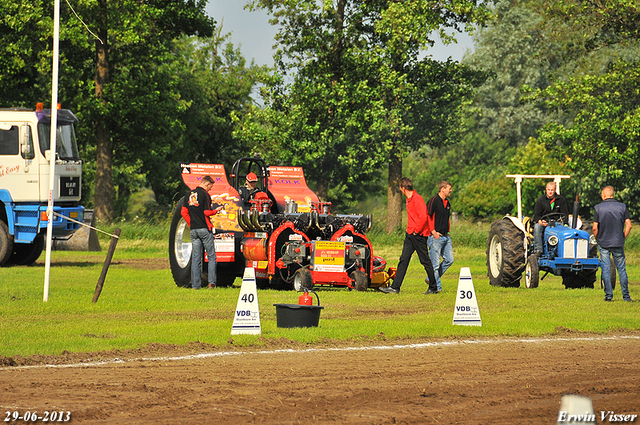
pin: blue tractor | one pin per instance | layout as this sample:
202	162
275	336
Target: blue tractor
569	251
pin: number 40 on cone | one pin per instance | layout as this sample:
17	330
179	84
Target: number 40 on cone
247	317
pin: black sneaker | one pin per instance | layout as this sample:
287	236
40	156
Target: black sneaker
608	299
430	291
389	290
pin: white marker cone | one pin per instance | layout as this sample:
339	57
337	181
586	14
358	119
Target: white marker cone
247	317
466	311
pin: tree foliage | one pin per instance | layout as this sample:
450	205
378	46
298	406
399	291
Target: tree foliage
603	139
357	95
513	47
163	97
600	129
577	61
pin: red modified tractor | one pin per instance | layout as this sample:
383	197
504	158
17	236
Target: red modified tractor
284	232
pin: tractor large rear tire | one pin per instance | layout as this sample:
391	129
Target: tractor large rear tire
575	280
612	274
505	254
180	248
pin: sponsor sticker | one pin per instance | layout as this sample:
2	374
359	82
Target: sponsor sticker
328	256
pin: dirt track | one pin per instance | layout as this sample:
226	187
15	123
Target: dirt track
487	382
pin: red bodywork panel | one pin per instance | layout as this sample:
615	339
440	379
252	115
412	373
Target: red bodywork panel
222	193
288	183
342	233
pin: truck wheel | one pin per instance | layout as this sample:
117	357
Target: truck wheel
27	254
575	280
302	279
180	249
505	254
532	272
360	280
6	243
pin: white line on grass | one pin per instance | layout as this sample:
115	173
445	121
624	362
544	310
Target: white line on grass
316	350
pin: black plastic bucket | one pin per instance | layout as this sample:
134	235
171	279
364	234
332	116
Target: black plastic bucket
297	316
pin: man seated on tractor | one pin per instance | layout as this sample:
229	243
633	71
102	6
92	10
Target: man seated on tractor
248	191
251	191
549	203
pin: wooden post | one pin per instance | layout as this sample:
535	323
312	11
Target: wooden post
107	262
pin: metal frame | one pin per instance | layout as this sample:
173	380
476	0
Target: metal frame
518	179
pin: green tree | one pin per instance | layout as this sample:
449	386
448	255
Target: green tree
603	140
514	49
527	47
597	126
214	86
361	97
110	73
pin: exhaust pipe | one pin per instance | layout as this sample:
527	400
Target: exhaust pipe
576	210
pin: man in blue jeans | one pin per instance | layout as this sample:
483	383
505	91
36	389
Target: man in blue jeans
611	226
440	246
196	211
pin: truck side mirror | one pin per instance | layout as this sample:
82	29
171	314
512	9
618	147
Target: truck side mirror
26	147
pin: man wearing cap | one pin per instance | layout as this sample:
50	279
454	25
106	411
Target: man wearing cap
249	189
196	211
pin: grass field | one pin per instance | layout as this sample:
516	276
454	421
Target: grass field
140	304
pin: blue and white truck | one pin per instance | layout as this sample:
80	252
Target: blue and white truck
25	163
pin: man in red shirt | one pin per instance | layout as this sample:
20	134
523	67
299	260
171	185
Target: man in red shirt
415	240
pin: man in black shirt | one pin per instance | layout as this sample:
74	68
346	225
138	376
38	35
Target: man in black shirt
249	190
548	203
440	245
196	211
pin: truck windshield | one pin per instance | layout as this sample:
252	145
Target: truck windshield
66	146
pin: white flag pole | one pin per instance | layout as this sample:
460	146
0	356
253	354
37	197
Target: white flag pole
52	143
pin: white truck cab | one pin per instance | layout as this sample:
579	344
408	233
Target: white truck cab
25	163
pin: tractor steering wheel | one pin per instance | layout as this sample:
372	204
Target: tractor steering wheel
554	217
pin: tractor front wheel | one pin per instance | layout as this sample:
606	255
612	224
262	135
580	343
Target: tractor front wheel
302	280
532	272
360	280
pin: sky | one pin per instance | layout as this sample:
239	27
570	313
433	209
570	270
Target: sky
254	35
